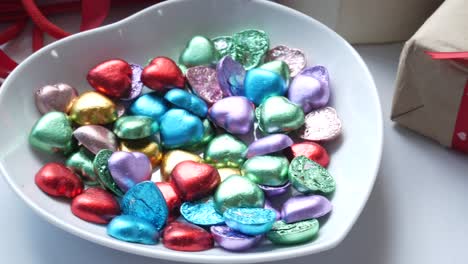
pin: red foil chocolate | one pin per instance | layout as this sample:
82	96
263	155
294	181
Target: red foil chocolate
112	78
57	180
95	205
194	180
186	237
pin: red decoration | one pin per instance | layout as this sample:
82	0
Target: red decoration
194	180
460	131
111	77
172	199
311	150
95	205
161	74
57	180
186	237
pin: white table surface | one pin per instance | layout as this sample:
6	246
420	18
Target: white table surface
417	212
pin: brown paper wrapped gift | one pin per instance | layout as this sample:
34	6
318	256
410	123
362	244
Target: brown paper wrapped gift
431	94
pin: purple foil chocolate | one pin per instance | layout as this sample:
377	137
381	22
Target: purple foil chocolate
137	84
235	114
269	144
299	208
272	191
310	88
233	240
231	76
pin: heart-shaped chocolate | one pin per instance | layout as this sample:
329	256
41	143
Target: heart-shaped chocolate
188	176
278	115
321	125
269	144
92	108
95	205
295	58
95	138
150	104
260	84
179	128
310	88
111	77
58	97
204	83
231	75
57	180
266	170
186	237
234	113
161	74
135	127
129	168
52	133
198	51
307	176
251	46
225	151
238	191
146	201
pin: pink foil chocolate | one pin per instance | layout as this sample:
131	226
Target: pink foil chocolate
295	58
321	125
204	83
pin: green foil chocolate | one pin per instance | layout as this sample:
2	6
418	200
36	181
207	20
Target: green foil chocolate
295	233
238	191
266	170
199	51
278	115
135	127
279	67
101	169
250	47
307	176
52	133
225	46
81	162
225	151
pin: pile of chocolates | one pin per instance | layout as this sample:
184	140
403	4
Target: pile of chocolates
204	154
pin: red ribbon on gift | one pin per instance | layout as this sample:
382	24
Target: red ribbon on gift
18	12
460	131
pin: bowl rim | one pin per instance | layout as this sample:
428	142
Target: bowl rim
292	252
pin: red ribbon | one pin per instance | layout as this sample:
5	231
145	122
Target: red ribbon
93	14
460	131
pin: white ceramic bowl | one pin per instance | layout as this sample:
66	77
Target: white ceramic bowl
163	30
